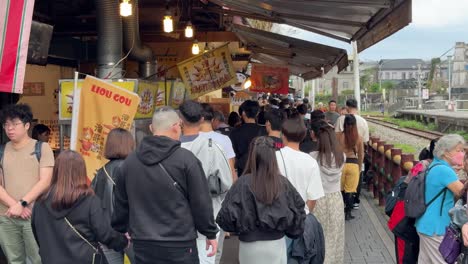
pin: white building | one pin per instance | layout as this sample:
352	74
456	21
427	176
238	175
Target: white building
402	69
460	66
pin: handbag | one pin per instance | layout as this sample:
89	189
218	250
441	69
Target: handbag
97	256
451	244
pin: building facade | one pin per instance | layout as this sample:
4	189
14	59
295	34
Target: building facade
460	67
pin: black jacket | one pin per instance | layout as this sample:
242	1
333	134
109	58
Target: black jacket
104	187
57	241
254	221
310	247
148	204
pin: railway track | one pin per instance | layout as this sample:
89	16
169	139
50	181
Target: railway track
412	131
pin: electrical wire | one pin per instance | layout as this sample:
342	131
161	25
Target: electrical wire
121	60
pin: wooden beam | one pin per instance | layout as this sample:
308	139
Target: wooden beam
220	36
238	13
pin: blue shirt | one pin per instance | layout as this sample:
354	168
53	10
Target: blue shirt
431	223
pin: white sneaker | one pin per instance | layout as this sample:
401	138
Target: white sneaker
356	206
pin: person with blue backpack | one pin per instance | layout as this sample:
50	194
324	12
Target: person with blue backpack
441	186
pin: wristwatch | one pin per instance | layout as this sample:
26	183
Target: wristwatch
23	203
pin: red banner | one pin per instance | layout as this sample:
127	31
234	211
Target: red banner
15	26
270	79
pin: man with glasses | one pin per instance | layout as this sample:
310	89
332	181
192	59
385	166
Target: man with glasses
25	176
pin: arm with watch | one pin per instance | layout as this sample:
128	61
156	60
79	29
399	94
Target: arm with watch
22	208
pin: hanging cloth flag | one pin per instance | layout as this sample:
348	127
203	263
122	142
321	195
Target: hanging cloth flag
15	27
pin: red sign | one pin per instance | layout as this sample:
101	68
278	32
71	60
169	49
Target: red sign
270	79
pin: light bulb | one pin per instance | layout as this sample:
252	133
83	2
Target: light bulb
247	84
168	24
125	8
195	48
189	30
206	49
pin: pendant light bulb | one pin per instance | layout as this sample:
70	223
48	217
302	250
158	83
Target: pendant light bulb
168	24
247	84
195	48
125	8
207	48
189	30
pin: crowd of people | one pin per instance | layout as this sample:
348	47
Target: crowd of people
282	177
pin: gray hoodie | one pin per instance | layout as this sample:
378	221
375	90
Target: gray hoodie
331	176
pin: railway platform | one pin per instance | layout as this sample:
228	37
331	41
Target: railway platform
368	240
445	120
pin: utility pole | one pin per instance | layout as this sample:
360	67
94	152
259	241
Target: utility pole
357	85
449	79
419	87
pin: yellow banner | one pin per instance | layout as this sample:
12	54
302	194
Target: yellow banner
208	72
102	107
177	94
66	96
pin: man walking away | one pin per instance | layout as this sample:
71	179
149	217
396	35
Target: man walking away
162	197
243	135
208	148
274	121
27	170
332	115
219	124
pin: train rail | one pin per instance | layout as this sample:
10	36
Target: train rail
412	131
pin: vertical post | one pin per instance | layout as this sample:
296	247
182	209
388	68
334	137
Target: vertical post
357	86
449	79
419	87
312	93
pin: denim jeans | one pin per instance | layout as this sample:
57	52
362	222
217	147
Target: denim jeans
17	241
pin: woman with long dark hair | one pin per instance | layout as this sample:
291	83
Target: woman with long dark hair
68	220
263	207
329	209
119	144
353	147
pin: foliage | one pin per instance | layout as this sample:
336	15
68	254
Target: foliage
411	124
388	85
374	88
347	92
405	148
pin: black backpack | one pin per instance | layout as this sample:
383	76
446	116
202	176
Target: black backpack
396	194
415	202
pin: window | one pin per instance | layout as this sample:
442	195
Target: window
345	85
403	75
410	75
394	76
387	76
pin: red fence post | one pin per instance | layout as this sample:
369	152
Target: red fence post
396	159
388	167
381	172
406	163
375	167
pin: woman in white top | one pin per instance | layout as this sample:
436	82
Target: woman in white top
329	209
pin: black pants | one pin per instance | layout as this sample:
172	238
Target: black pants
149	252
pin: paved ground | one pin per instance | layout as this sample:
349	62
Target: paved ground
367	238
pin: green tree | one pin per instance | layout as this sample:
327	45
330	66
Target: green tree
374	88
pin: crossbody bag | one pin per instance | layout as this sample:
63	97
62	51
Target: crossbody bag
97	256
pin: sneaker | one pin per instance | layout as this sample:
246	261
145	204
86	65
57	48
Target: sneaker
356	206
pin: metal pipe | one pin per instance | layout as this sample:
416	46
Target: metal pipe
109	44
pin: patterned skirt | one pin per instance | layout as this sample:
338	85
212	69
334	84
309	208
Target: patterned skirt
329	211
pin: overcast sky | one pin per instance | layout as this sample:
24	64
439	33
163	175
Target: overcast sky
436	26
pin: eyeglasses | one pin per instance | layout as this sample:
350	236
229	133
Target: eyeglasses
12	125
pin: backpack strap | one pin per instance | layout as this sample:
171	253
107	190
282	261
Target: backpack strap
38	150
2	151
443	191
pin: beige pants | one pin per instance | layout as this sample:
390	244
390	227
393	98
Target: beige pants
429	249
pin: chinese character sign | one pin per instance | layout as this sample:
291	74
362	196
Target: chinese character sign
208	72
102	107
270	79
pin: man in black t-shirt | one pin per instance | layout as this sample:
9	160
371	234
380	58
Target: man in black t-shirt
274	120
243	135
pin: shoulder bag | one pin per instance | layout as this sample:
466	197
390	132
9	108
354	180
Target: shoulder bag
97	256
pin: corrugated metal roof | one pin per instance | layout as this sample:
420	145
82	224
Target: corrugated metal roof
304	58
365	21
402	64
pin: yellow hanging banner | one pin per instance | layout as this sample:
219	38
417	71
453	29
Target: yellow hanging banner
210	71
102	107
